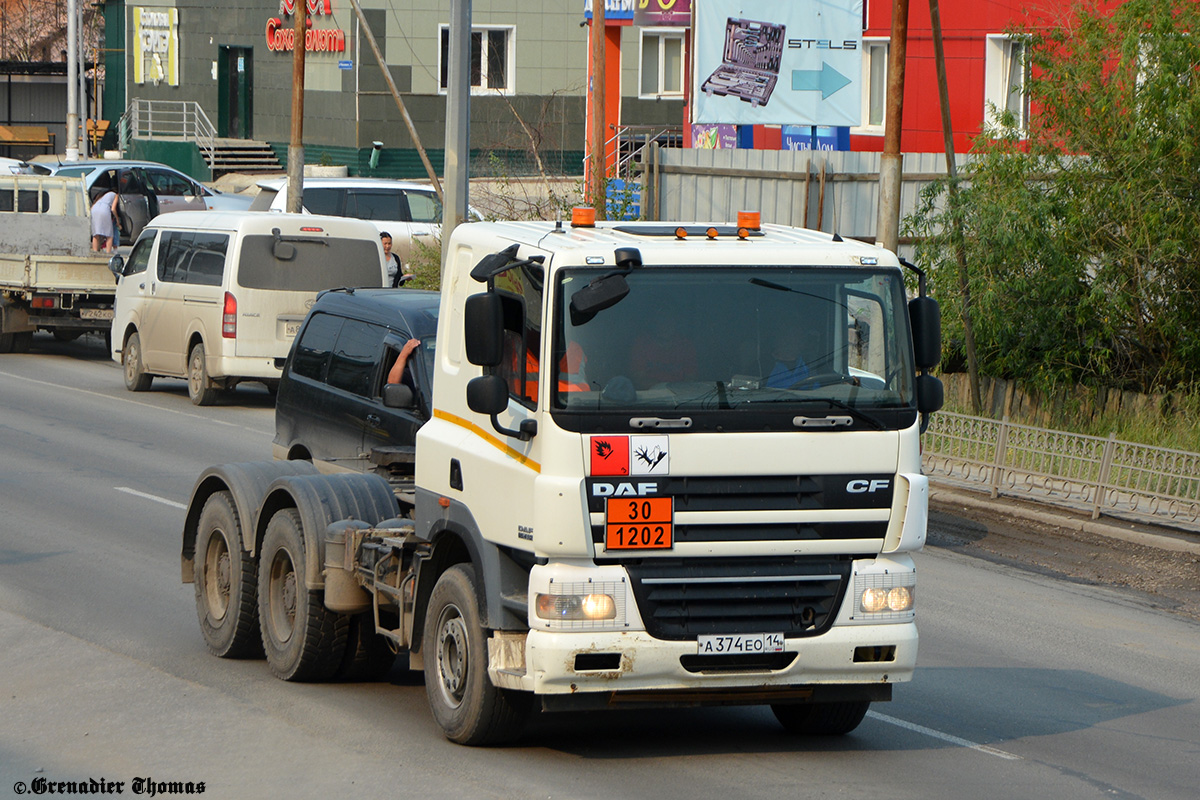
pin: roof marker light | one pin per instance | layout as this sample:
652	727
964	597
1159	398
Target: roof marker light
750	220
583	217
681	232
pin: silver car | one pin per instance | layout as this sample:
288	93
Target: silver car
146	189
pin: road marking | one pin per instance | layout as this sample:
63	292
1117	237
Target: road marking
153	497
945	737
133	402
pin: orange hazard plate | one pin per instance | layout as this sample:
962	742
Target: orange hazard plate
639	523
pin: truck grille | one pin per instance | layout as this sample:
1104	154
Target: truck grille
684	598
758	493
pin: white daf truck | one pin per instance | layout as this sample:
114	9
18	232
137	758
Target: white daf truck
665	465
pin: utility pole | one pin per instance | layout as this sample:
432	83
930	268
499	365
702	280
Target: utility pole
72	139
960	251
598	87
295	170
888	228
458	121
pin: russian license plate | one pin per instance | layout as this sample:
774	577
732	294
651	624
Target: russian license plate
291	328
95	313
639	523
739	644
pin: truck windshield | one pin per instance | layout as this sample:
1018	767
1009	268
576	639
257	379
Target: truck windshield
732	348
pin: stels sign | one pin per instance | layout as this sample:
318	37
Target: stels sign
282	38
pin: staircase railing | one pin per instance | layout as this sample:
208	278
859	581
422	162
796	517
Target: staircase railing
169	119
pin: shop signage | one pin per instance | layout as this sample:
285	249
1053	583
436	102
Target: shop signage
281	36
156	45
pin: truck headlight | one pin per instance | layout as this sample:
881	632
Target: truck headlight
576	606
885	597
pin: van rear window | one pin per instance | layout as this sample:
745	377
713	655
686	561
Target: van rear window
317	264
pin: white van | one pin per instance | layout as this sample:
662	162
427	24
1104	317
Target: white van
216	297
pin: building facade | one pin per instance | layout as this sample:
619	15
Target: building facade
652	44
233	58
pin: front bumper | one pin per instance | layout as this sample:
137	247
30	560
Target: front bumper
641	663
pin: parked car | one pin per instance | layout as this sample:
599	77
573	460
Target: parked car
408	211
147	189
334	407
18	167
216	297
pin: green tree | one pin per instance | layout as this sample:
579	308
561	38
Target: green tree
1083	240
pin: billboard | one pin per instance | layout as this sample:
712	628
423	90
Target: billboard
795	63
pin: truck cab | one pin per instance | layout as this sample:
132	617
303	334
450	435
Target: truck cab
688	459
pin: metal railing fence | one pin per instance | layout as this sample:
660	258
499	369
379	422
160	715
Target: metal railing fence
170	119
1089	473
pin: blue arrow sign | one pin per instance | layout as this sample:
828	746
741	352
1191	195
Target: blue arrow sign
827	80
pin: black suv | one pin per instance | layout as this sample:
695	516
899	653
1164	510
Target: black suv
334	407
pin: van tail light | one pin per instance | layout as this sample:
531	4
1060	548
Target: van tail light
229	317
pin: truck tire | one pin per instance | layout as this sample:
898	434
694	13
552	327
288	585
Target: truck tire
303	640
821	719
465	703
6	342
226	581
136	379
201	389
368	656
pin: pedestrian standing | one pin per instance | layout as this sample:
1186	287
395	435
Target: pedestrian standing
396	276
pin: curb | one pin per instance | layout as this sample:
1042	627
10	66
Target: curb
946	497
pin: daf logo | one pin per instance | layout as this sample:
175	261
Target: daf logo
624	489
862	486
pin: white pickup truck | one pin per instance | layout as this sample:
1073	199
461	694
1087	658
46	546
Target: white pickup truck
49	277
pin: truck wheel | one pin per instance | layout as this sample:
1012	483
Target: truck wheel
303	640
136	379
464	702
226	580
6	342
368	656
821	719
201	389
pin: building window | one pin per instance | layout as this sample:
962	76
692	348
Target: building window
661	70
1006	70
491	61
874	95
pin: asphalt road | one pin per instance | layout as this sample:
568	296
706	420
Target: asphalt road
1029	685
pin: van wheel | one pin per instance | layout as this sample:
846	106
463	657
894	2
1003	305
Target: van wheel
136	379
465	703
303	640
201	388
226	580
821	719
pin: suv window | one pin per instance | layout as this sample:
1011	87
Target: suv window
354	361
315	346
382	204
325	201
425	207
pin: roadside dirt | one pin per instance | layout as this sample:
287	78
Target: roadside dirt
1165	579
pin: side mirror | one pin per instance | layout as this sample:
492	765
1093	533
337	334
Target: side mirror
930	394
398	395
926	319
604	292
483	317
487	394
116	265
